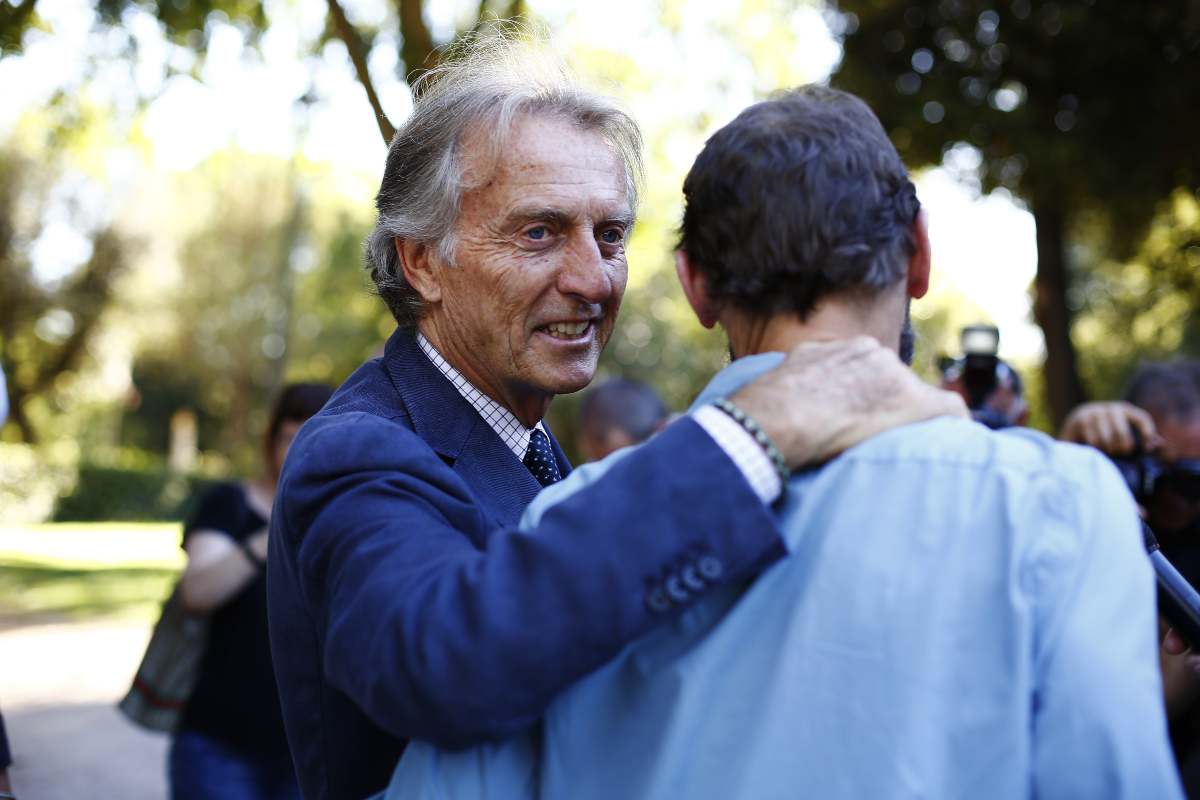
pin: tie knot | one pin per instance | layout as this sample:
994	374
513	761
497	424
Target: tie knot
539	458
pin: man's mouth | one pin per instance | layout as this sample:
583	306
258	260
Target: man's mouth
567	330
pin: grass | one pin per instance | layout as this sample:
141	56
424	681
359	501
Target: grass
85	571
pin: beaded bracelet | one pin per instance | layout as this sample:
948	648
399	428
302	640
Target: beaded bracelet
754	429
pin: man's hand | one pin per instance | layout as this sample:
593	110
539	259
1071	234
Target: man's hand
1108	427
829	396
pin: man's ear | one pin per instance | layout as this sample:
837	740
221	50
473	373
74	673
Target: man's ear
919	264
695	289
419	265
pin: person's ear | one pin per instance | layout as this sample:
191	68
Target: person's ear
695	289
919	263
419	262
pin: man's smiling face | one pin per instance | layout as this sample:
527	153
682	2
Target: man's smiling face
539	263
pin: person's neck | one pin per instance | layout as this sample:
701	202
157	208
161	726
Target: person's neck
834	318
528	405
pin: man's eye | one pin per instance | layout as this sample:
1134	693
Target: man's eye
611	236
537	233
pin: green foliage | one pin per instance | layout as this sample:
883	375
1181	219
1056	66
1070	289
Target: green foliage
34	589
1085	103
46	325
32	479
145	493
270	288
48	572
1079	108
190	23
338	322
1143	309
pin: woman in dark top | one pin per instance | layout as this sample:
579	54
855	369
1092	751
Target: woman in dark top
230	743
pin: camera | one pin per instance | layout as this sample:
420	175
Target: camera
979	375
980	347
1148	476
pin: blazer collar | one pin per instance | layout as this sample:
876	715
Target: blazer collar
440	415
453	428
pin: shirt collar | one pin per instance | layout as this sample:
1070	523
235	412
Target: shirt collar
506	425
737	374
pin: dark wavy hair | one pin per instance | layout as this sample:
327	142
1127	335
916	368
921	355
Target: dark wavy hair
799	197
295	403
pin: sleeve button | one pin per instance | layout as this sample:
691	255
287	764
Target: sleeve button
676	591
657	601
710	567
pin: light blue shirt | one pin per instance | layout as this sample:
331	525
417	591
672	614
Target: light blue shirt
963	614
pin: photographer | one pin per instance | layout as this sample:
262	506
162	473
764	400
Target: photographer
1154	435
991	388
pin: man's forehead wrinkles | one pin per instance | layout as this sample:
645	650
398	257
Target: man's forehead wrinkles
573	175
595	209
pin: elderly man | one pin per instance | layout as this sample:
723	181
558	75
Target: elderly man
962	613
403	601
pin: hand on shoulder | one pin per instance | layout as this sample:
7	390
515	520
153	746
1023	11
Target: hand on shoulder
828	396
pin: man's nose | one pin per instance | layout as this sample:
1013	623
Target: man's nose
584	273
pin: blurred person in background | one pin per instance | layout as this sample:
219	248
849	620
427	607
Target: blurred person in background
961	614
5	754
231	743
1004	406
616	414
991	388
1158	424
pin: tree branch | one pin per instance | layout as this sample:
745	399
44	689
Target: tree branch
14	21
358	56
88	297
417	48
515	10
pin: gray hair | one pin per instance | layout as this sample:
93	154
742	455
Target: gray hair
1168	390
484	84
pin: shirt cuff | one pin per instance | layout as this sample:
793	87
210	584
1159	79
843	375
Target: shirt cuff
746	453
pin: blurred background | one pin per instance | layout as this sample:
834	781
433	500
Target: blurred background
184	188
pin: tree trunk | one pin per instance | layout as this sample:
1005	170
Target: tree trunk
16	415
1064	390
416	45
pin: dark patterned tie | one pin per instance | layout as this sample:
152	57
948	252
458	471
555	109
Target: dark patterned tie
539	459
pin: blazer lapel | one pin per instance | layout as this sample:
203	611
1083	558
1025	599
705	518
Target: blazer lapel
504	486
439	414
453	428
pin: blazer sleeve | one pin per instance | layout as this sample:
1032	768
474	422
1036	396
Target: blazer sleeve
434	638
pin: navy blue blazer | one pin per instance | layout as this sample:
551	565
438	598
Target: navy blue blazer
403	602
